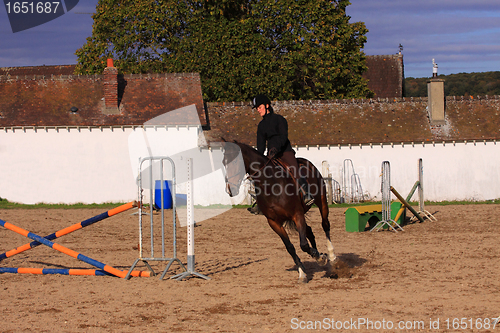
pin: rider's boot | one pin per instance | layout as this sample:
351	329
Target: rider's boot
304	188
255	209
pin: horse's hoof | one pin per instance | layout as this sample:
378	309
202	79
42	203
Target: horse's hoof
322	260
302	280
302	276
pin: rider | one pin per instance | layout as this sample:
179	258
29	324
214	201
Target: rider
273	133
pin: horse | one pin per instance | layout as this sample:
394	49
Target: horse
279	198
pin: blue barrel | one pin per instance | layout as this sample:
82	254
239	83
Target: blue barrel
167	194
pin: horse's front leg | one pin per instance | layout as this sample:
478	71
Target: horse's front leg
278	228
326	227
321	201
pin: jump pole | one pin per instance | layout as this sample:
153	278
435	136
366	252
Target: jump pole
70	229
190	228
64	250
63	271
405	203
418	184
408	197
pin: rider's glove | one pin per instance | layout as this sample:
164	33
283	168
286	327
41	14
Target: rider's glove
272	152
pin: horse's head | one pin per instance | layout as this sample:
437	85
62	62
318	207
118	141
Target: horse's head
234	167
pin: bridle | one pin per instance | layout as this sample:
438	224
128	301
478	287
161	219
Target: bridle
250	176
229	183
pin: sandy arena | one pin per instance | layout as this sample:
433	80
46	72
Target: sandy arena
434	277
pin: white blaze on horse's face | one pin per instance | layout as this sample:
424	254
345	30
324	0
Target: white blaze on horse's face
234	168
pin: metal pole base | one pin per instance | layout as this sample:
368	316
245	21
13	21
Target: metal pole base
169	264
184	275
127	277
425	215
145	261
390	223
190	271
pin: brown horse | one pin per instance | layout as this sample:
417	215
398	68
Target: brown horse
279	199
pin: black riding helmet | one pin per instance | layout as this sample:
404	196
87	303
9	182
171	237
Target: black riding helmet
259	100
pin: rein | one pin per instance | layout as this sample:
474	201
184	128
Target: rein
253	174
276	162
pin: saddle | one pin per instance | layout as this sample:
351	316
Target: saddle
279	162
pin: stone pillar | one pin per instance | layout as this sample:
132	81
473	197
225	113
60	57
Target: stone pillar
435	95
111	88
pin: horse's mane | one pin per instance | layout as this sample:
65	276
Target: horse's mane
248	148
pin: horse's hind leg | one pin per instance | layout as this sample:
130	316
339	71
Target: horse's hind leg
310	236
321	258
278	228
305	233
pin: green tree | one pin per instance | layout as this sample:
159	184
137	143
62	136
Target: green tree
288	49
461	84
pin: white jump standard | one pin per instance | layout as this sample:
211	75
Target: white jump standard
190	228
152	257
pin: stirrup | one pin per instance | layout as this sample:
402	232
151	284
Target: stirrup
304	188
308	200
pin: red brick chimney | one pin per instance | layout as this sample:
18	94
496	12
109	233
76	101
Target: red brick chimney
111	87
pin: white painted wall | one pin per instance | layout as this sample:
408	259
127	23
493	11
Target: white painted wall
95	165
65	165
460	171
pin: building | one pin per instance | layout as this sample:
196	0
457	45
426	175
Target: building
67	138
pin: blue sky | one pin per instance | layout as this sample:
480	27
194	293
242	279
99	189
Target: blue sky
463	36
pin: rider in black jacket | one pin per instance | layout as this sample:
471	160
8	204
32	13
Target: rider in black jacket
272	133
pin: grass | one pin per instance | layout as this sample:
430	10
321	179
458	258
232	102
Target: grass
426	203
5	204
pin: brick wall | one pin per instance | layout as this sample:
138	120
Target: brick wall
47	101
362	121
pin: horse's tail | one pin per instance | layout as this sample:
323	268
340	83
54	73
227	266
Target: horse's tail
290	226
